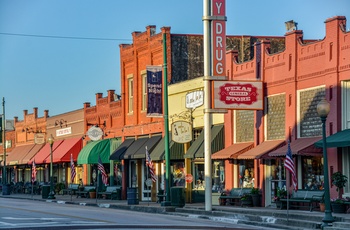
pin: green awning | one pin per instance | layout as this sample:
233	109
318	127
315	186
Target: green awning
176	150
104	148
337	140
196	150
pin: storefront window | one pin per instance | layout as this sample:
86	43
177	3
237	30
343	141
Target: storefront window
312	173
246	173
199	176
218	176
179	174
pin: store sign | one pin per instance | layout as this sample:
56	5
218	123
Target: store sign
194	99
65	131
95	133
39	138
219	38
181	132
238	95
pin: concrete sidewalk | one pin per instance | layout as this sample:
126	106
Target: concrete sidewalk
264	216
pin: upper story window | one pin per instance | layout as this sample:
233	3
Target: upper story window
310	124
130	94
144	90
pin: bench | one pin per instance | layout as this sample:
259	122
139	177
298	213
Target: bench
309	197
234	196
71	190
110	191
85	192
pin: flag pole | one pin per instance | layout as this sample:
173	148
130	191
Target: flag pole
147	168
288	185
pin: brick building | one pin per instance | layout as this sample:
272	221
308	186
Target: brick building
295	80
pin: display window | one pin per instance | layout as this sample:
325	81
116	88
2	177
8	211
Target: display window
246	173
312	176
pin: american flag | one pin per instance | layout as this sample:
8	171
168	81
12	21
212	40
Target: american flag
150	165
72	169
102	170
289	164
116	170
33	172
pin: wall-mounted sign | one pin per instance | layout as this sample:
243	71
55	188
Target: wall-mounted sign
238	95
181	132
64	131
194	99
39	138
219	37
95	133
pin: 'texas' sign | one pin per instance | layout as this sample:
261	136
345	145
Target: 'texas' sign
238	95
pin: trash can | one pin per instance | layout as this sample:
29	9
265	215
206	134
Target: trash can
6	189
177	196
132	196
45	190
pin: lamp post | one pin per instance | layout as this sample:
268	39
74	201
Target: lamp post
323	109
52	192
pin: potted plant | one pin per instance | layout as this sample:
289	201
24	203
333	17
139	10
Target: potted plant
92	193
281	193
339	180
59	187
246	200
255	194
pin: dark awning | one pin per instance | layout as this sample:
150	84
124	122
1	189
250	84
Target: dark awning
118	153
89	154
338	140
301	146
150	143
137	149
176	150
236	148
196	150
260	150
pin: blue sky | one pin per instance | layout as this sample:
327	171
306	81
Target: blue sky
60	74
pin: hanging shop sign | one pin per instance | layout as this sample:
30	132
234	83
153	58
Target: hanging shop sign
194	99
39	138
238	95
95	133
181	132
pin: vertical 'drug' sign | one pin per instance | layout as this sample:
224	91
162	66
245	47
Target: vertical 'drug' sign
154	91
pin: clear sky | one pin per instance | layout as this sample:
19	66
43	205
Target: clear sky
57	54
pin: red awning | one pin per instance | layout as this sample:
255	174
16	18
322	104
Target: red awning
17	153
40	157
236	148
25	159
68	147
262	149
301	146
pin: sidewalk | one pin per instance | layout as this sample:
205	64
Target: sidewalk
247	215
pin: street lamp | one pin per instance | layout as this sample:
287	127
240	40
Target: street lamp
323	108
52	192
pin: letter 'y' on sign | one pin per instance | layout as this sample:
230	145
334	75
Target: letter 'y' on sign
219	38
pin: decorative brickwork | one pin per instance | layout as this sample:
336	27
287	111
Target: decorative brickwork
244	125
276	117
310	122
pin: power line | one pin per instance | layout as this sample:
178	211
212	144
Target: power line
65	37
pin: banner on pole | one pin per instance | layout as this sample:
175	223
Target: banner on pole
154	91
